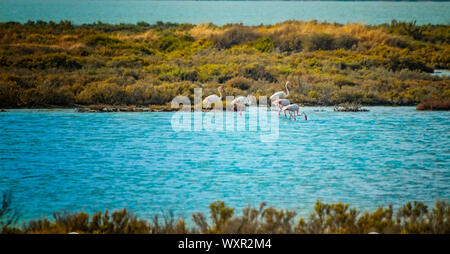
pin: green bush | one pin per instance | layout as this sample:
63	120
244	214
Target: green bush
96	40
57	60
172	42
264	44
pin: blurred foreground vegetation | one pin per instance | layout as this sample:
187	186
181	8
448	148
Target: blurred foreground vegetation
415	218
61	64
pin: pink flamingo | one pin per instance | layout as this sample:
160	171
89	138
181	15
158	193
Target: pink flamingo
242	101
214	98
281	94
293	109
280	103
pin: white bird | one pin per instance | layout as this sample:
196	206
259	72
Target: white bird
293	108
281	94
242	101
280	103
214	98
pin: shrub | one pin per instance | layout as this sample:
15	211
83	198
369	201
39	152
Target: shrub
345	41
399	62
413	217
264	44
119	222
138	94
257	71
101	93
57	60
397	42
434	105
407	28
319	41
9	94
100	40
172	42
236	35
8	214
341	81
126	61
239	82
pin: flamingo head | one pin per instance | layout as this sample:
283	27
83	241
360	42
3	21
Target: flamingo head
288	83
221	89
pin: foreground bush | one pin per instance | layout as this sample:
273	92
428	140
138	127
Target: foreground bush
413	217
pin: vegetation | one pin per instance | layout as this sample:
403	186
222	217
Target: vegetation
434	105
337	218
61	64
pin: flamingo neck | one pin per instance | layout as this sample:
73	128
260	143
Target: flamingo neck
287	91
220	97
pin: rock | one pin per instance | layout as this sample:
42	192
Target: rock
82	110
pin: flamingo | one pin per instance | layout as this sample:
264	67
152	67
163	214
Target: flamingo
293	108
280	103
281	94
242	101
214	98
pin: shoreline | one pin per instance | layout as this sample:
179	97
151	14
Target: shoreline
159	108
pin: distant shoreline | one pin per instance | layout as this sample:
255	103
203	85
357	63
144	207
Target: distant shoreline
245	12
46	63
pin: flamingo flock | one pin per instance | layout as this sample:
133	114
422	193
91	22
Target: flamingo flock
278	99
241	102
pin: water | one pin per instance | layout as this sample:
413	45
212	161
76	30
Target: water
55	160
441	73
222	12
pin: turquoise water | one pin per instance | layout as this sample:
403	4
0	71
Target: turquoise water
61	160
222	12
